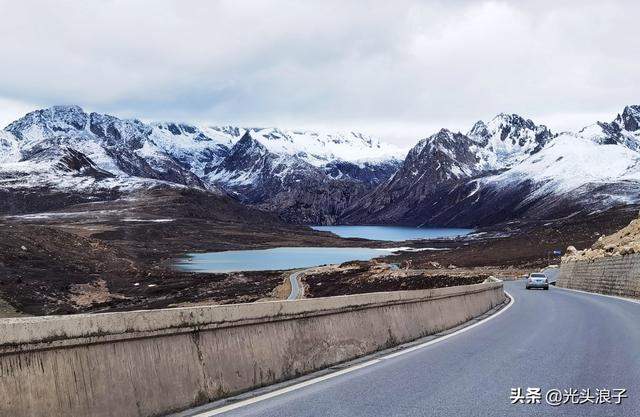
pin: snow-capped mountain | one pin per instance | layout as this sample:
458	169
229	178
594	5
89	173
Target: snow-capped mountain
319	149
119	147
67	149
624	130
441	162
509	168
286	183
507	140
197	148
9	148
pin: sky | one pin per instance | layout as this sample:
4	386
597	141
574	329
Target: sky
399	70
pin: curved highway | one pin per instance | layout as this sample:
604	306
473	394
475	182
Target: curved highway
297	290
556	339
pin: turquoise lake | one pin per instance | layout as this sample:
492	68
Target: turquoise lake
274	259
392	233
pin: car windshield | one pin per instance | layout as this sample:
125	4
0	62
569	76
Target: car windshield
538	276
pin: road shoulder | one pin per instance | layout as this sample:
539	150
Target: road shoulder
254	396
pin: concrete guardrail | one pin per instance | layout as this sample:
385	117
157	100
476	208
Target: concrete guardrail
150	363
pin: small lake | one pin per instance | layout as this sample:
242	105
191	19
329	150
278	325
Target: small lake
274	259
392	233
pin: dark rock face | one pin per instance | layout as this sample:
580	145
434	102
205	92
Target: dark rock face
624	130
630	118
435	165
447	179
53	121
77	162
368	173
441	182
287	185
219	159
70	128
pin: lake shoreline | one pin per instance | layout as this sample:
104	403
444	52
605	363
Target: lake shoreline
393	233
295	257
98	262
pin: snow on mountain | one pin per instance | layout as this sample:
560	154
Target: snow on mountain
623	130
285	183
197	148
316	148
118	147
9	148
629	120
569	162
65	148
248	162
320	148
507	140
509	168
447	156
54	121
439	161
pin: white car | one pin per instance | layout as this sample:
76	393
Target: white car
537	280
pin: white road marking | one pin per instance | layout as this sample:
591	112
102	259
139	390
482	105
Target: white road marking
300	385
631	300
276	393
443	338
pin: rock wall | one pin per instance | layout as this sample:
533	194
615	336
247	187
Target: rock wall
150	363
615	275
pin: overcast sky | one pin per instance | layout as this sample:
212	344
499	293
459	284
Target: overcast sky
399	70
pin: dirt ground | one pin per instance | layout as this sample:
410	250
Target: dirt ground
362	277
120	255
518	248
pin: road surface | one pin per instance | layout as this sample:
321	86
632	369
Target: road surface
296	288
556	339
552	274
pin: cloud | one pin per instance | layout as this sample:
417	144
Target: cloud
391	69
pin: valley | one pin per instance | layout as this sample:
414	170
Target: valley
95	210
121	255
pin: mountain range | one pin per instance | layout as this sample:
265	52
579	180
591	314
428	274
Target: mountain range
506	169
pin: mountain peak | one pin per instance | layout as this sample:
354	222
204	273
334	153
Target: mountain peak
65	108
247	141
511	119
509	138
630	118
60	118
443	133
623	130
480	133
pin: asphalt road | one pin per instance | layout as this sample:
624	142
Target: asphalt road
296	290
554	339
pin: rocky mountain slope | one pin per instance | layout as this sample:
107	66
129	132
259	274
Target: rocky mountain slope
625	241
624	130
507	169
304	176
